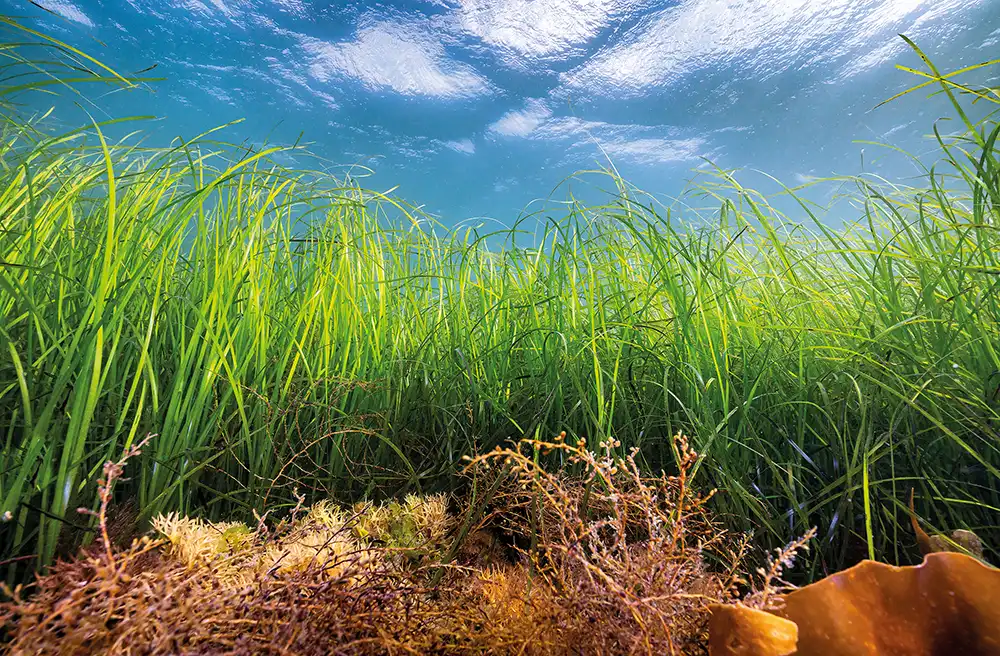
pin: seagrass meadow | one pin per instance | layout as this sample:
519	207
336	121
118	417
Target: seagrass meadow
280	329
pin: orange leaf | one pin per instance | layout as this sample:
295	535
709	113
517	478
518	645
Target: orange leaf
949	604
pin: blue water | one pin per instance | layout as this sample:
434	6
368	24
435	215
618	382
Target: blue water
476	107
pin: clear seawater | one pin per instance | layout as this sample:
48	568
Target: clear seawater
473	108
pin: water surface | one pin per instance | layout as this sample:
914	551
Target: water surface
476	107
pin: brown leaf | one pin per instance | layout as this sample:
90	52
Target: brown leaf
742	631
949	604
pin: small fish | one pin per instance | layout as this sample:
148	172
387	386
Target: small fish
961	540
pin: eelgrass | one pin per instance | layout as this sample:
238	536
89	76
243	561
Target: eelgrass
276	329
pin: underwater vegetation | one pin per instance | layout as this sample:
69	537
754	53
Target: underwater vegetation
286	333
601	556
596	558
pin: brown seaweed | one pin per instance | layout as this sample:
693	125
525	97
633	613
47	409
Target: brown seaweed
949	604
